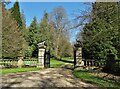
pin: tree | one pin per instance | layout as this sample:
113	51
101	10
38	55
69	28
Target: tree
65	47
24	31
12	40
31	38
52	35
47	32
44	27
15	11
100	35
59	20
4	2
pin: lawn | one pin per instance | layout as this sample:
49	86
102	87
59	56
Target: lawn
85	76
15	70
54	63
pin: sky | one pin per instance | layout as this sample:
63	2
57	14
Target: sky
37	9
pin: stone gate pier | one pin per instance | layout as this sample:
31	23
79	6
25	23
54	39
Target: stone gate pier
41	54
78	62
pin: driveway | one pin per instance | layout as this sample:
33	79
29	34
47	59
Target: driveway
51	77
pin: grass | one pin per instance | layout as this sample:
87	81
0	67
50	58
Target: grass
15	70
54	63
68	60
85	76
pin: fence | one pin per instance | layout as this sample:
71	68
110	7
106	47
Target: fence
89	62
8	63
12	63
31	62
101	63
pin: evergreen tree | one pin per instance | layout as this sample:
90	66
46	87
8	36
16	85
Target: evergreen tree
31	38
24	31
46	31
12	39
44	27
15	10
100	36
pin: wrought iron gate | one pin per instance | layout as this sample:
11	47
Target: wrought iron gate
47	59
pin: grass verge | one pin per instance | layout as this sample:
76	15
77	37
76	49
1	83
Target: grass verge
15	70
85	76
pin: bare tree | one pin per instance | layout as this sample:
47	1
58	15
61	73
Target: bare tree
60	22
